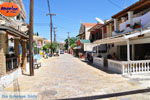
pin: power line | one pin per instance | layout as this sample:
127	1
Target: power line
115	4
121	4
49	8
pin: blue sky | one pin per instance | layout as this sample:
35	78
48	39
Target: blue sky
70	13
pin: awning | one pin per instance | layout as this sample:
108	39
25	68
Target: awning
121	38
14	31
79	42
85	41
110	40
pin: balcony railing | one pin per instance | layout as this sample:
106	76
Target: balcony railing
137	23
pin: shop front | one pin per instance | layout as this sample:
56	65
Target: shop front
13	54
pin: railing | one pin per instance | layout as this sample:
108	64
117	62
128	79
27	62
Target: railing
98	61
11	63
129	67
127	26
137	66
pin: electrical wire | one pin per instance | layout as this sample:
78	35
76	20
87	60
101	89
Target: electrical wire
49	9
121	4
115	4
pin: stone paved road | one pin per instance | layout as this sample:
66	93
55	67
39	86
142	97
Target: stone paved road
68	77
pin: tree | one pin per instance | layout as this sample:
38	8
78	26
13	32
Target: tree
52	46
46	47
73	45
72	41
37	34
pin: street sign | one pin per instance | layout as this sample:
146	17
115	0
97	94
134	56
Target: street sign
9	9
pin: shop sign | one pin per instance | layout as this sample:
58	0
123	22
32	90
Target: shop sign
9	9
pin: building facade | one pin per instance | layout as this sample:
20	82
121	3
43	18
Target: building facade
39	42
13	44
83	38
126	40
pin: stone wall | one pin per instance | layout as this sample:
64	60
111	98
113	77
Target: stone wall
3	47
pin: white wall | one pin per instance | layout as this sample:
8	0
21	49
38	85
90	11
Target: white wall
9	78
87	33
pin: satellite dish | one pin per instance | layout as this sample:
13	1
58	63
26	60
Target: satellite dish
2	22
99	20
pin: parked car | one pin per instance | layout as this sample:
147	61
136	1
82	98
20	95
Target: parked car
50	55
56	54
90	55
46	56
61	52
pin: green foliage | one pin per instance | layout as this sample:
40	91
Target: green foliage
72	42
34	44
36	50
73	45
46	47
52	46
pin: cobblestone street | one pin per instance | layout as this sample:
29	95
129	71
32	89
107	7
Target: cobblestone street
66	77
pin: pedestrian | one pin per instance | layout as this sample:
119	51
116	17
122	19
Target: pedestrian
114	57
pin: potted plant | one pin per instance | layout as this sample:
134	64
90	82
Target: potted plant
137	25
128	25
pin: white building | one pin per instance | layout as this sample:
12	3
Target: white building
128	47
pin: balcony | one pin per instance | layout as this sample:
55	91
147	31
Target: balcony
136	24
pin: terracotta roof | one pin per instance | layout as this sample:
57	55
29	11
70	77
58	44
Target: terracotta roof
97	26
89	24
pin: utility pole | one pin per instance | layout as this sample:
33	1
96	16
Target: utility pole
68	40
51	23
31	37
55	34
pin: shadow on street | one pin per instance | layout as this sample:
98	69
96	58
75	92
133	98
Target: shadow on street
100	68
109	95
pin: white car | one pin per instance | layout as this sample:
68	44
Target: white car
61	52
56	54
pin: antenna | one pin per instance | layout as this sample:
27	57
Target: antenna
99	20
